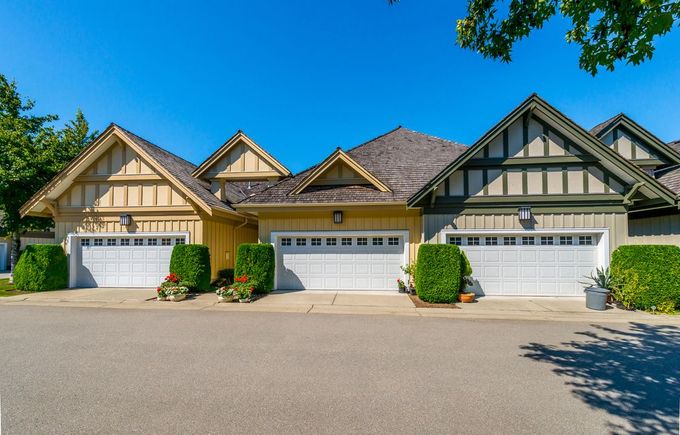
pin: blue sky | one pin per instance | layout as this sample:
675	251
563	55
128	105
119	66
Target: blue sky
304	77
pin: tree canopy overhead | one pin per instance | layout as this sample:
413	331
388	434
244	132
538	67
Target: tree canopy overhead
606	31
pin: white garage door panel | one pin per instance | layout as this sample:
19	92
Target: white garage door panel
530	270
338	267
143	265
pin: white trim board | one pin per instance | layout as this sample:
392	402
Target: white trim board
275	235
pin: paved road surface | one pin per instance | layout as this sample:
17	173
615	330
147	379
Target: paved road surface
73	370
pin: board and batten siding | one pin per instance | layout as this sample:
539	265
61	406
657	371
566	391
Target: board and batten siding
223	239
617	223
353	220
658	230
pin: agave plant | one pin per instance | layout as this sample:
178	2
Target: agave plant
601	278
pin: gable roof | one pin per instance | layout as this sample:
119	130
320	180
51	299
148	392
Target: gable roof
624	120
173	168
402	159
532	103
231	143
340	156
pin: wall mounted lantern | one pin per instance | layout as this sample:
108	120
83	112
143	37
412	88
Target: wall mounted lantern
337	217
524	214
125	220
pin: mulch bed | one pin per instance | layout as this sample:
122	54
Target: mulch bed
420	304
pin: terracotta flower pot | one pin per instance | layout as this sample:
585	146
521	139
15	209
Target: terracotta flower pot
466	298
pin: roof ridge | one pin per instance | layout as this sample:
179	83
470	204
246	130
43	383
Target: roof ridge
435	137
125	130
399	127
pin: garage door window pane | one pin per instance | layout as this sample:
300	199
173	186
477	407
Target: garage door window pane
331	241
285	241
473	241
152	242
547	240
377	241
509	241
180	241
316	241
124	242
84	242
98	242
528	240
455	240
566	240
166	242
491	241
362	241
585	240
111	242
393	241
346	241
300	242
139	242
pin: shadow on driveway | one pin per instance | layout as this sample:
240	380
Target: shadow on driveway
631	374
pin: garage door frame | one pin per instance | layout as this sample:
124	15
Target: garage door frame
276	235
73	238
602	246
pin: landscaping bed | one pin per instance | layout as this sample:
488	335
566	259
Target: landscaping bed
422	304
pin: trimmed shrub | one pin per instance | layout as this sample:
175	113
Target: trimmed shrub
438	273
192	264
257	261
225	277
465	270
646	275
41	267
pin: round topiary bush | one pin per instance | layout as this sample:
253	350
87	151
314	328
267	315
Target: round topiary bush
439	273
192	264
41	267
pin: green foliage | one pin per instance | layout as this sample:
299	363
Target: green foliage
41	267
257	261
439	273
466	267
606	31
192	264
646	276
601	278
32	151
410	270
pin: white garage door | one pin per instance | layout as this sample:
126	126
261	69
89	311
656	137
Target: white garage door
123	261
347	262
530	264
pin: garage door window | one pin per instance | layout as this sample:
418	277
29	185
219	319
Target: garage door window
455	240
491	241
84	242
316	241
166	242
152	242
566	240
98	242
285	241
473	241
393	241
585	240
528	240
331	241
180	241
300	242
124	242
547	240
346	241
362	241
377	241
111	242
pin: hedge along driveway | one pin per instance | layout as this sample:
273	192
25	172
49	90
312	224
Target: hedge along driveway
438	273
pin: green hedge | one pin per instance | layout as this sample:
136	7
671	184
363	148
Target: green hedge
41	267
646	276
257	261
438	273
192	264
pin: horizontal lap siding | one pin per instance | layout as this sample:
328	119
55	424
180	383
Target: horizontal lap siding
615	222
352	221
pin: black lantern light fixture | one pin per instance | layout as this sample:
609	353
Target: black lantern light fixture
524	213
337	217
125	220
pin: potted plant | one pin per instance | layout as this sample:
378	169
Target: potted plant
225	294
410	270
597	290
177	293
161	295
172	289
243	288
401	285
465	296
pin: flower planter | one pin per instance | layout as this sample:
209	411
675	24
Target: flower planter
466	298
221	299
161	298
177	298
244	301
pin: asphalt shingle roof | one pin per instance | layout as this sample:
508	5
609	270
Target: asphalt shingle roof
183	169
403	159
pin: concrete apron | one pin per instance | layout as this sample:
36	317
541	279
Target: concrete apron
337	302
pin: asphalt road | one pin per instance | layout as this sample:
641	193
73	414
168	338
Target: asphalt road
71	370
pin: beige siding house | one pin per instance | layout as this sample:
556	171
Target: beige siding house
536	203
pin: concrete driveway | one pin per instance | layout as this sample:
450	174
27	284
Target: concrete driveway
162	371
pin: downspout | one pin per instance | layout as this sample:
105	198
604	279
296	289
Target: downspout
233	237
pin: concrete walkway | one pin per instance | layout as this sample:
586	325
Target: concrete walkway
331	302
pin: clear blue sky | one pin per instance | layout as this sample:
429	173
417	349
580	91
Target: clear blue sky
303	77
